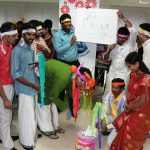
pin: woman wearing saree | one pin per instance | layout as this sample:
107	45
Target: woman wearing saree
133	125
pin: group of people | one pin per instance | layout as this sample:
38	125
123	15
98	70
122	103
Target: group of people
127	94
19	74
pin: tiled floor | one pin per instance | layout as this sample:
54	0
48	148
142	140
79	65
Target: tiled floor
66	141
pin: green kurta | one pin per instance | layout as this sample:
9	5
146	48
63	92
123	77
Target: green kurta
57	76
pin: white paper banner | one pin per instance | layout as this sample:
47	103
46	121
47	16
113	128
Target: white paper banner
70	6
96	25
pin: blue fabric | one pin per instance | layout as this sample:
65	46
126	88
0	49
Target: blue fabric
41	60
82	47
65	51
120	107
22	56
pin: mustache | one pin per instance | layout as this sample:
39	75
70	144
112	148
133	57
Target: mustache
30	39
15	41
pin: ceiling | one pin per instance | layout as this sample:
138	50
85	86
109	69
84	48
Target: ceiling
135	3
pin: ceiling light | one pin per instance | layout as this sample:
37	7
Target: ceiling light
143	2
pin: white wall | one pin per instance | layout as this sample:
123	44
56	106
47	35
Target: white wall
41	11
136	15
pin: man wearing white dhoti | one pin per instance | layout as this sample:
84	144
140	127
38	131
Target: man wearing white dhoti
48	121
8	37
26	86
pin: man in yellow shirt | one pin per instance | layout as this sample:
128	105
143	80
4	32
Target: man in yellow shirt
114	102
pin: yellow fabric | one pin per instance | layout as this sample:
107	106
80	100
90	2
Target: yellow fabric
144	31
66	20
114	105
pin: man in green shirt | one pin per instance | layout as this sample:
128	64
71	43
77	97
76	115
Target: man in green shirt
58	76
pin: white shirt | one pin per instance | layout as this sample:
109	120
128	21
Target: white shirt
111	99
146	53
119	53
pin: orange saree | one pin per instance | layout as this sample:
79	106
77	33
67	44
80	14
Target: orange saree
132	127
